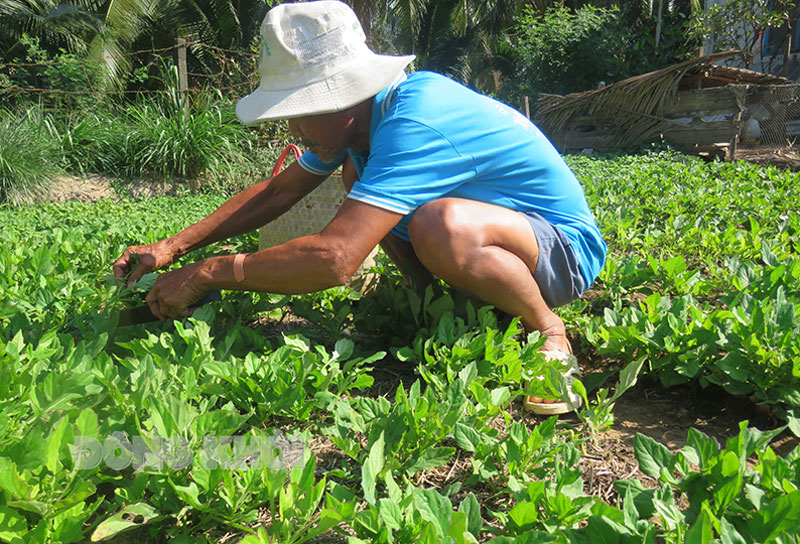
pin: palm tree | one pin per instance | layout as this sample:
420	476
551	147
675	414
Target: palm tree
55	24
466	39
147	24
107	31
478	50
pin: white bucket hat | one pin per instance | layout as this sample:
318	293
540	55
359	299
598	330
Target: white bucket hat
314	59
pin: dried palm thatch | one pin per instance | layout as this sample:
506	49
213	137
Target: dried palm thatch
633	108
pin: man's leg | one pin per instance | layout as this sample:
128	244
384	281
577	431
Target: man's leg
490	252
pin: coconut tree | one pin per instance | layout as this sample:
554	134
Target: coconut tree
56	24
470	41
147	24
107	31
466	39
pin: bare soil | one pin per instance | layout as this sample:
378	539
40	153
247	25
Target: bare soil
94	187
786	158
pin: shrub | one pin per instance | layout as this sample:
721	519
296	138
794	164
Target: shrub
740	24
29	155
164	135
73	79
166	139
563	50
555	47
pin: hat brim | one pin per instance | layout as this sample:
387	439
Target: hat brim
353	84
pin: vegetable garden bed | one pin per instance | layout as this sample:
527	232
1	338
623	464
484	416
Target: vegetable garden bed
400	412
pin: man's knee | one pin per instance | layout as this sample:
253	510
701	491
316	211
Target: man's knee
437	229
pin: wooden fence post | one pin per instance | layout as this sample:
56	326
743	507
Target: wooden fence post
787	53
183	79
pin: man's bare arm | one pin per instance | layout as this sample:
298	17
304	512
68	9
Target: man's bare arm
303	265
244	212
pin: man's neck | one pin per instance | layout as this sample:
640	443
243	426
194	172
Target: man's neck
363	118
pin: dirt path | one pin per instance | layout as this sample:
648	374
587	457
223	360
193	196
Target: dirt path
94	187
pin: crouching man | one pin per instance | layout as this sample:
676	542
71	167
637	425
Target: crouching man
448	181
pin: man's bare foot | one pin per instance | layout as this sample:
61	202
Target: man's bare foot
555	341
560	405
555	335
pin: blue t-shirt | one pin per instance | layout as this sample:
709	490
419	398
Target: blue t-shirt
431	137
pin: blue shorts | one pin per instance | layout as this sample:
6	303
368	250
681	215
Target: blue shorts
558	273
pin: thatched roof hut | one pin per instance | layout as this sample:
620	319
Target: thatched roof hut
695	105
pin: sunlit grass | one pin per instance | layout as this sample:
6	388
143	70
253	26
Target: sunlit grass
29	156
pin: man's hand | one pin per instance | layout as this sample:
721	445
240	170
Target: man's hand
151	257
175	292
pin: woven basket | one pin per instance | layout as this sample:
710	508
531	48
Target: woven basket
311	215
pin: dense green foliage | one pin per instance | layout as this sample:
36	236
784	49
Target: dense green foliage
198	140
552	47
507	47
740	24
29	156
105	429
105	33
711	251
72	75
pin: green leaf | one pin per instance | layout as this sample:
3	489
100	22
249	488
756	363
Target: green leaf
12	524
642	498
700	448
428	534
433	507
701	532
86	423
604	530
466	437
472	509
654	458
755	494
727	470
372	468
728	533
779	516
628	377
404	354
54	443
130	517
524	516
11	481
500	396
391	514
190	494
431	458
392	489
344	348
673	517
328	519
259	537
458	529
629	510
793	419
580	389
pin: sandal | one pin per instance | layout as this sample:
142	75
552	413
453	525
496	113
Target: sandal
570	374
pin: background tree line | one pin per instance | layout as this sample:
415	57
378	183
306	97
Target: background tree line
508	48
